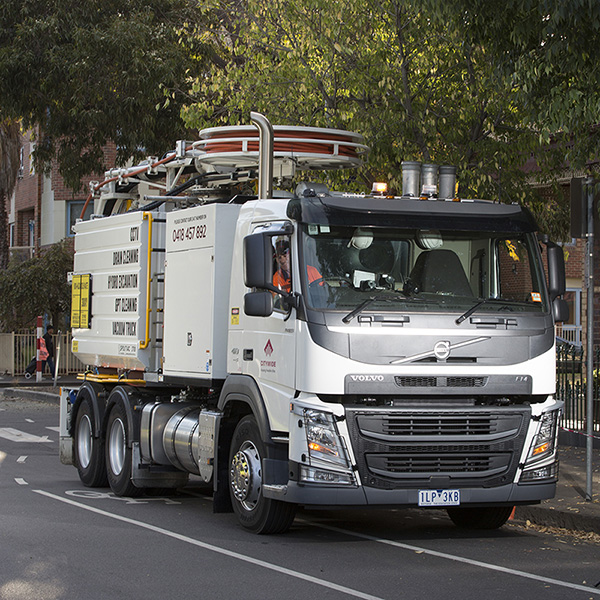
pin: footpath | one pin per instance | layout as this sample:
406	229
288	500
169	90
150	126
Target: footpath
569	509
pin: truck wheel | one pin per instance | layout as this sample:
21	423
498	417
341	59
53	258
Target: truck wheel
89	450
255	512
485	517
118	454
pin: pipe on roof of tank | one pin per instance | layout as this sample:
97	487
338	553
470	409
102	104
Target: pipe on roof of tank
265	155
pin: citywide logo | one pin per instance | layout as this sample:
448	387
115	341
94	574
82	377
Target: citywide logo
268	366
268	348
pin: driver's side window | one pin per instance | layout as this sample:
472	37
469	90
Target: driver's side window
282	268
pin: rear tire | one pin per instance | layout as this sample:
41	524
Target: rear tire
255	512
89	448
118	454
484	517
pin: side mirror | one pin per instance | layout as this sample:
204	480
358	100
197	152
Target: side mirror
258	261
557	282
560	310
258	304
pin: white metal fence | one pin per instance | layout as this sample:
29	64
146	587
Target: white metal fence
18	349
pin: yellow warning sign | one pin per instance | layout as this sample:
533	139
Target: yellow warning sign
80	301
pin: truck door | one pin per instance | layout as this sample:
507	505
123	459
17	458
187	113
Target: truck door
269	349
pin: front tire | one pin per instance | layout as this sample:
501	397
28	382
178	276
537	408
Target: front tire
255	512
484	517
89	449
118	454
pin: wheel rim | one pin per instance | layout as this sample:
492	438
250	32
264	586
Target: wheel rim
84	441
246	475
116	446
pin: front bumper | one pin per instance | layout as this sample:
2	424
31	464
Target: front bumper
313	495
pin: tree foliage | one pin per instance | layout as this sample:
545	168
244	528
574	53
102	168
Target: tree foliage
549	50
95	71
36	287
460	83
414	88
9	167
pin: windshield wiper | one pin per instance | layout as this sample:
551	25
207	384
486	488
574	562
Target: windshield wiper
481	302
469	312
370	301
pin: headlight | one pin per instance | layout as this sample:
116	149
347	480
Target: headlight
324	443
548	472
544	443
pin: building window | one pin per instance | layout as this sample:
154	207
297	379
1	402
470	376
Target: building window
31	233
74	209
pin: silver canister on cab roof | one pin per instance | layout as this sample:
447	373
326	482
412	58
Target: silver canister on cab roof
411	178
429	180
447	182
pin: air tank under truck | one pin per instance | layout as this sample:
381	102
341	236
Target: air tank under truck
308	347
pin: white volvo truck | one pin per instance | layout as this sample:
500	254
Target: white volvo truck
405	358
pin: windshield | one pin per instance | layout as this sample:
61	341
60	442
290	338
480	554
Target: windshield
356	269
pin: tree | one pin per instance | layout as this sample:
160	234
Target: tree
416	89
461	83
90	72
35	287
9	168
548	50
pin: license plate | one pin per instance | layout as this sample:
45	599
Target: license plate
439	497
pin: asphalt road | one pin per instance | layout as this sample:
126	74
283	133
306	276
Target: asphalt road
60	540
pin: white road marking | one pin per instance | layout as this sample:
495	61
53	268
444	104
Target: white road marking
217	549
94	495
57	429
468	561
14	435
22	459
30	420
21	481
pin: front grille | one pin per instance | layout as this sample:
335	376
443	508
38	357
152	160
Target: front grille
416	381
409	466
431	448
434	425
406	381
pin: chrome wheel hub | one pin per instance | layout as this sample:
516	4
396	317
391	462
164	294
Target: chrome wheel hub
84	442
246	475
116	446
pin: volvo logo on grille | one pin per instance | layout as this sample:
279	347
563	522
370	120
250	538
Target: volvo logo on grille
366	377
442	350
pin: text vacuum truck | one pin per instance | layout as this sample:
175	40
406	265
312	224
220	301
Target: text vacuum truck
307	347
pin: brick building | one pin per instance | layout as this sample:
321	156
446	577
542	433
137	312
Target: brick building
42	208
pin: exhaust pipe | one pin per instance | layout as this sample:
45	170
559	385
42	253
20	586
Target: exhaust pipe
411	176
265	155
447	182
429	175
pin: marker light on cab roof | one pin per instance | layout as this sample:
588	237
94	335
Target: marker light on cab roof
379	188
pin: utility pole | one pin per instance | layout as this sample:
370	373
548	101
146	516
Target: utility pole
582	226
589	187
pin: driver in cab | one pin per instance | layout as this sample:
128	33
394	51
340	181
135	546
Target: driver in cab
282	277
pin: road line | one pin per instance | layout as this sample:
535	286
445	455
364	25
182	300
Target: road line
57	429
22	459
468	561
217	549
30	420
21	481
15	435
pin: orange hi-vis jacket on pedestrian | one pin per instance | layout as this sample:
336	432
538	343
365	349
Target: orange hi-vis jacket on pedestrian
43	350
